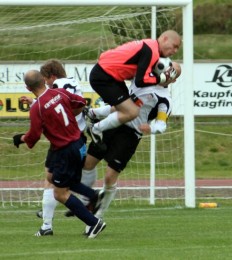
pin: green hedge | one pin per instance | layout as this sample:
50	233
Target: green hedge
213	19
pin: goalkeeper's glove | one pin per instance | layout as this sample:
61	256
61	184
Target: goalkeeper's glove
17	140
169	74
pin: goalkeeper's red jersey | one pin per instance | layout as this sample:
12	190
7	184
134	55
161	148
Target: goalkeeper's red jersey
52	115
132	60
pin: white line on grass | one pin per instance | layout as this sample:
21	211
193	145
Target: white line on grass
100	250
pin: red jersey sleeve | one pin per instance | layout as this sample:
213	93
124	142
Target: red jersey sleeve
36	129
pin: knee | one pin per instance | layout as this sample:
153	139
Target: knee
133	113
60	196
130	115
57	196
90	163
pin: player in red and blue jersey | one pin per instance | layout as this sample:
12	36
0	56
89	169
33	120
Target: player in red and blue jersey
55	77
53	114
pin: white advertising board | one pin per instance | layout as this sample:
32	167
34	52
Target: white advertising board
212	90
212	85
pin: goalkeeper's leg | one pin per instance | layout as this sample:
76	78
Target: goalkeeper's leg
100	112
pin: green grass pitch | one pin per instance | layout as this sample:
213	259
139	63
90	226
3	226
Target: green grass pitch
144	232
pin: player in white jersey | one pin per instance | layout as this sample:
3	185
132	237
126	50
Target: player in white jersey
71	85
155	103
155	108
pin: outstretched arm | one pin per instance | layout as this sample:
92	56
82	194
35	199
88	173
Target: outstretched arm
156	127
27	100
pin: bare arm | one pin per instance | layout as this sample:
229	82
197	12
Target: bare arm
156	127
27	100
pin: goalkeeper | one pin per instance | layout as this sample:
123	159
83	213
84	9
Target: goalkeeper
136	60
155	108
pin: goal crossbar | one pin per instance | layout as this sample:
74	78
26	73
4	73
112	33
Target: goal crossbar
100	2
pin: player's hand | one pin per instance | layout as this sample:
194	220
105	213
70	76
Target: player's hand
145	128
26	100
17	140
168	75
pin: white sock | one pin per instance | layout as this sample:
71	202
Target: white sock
49	205
101	111
111	121
88	178
110	192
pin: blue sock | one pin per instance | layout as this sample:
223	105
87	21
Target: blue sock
77	207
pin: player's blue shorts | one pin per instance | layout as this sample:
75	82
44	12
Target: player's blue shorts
66	164
83	152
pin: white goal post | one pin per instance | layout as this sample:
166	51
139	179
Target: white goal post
187	71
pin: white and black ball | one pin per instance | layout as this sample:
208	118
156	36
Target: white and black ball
162	65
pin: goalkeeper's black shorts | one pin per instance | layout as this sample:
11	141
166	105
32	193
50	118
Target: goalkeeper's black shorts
112	91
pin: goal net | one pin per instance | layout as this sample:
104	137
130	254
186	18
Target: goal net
77	35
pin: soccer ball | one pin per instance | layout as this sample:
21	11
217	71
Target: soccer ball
162	65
